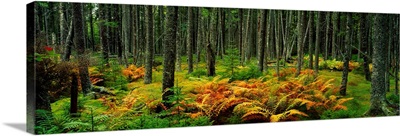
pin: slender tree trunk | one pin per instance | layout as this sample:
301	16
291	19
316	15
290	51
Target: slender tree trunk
68	43
240	23
311	42
261	40
277	44
91	28
267	39
398	58
135	31
126	19
149	45
63	25
347	53
301	26
104	32
318	41
169	55
212	43
199	37
222	20
243	59
364	45
80	46
190	42
178	44
327	21
334	33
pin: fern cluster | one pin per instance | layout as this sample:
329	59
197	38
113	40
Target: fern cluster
268	101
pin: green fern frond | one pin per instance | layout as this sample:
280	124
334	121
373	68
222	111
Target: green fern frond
77	126
101	118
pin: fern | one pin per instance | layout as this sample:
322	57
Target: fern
77	126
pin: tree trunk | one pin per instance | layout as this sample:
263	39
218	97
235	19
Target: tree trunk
301	26
364	45
261	40
327	21
149	45
135	34
169	55
318	41
311	42
68	43
277	44
103	32
347	53
212	43
63	25
378	100
396	82
222	20
246	36
91	28
190	43
80	46
334	33
199	37
126	19
240	23
74	94
178	44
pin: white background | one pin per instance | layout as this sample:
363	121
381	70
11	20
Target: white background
13	73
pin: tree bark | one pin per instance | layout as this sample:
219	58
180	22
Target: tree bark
277	42
212	43
190	43
92	42
327	21
240	33
243	59
311	40
74	94
149	45
178	44
378	100
169	55
68	43
347	53
301	37
318	41
80	46
364	45
334	33
261	40
103	32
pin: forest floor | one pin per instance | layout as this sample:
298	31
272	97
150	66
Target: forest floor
137	102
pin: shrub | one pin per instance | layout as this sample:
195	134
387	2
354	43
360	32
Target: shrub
114	79
246	73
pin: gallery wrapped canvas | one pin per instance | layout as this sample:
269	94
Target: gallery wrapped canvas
105	67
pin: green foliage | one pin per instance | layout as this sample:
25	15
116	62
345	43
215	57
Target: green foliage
114	79
197	73
231	61
250	72
393	98
111	24
330	114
